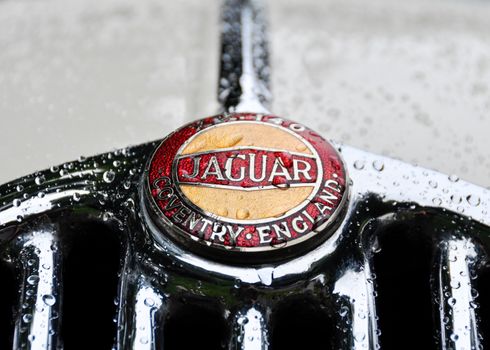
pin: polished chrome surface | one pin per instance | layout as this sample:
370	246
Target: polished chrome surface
244	73
458	261
249	330
156	274
107	188
38	251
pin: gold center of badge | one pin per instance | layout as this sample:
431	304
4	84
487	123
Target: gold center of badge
242	204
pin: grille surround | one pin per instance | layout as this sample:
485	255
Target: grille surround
338	273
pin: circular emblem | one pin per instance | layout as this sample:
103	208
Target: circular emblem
246	183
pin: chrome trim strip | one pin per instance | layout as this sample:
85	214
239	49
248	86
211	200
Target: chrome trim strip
141	314
244	73
38	316
250	331
456	263
357	308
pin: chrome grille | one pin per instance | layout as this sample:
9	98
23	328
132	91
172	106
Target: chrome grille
90	272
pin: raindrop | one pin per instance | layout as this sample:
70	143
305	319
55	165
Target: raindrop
453	178
473	200
437	201
359	164
16	202
20	188
344	310
433	184
109	176
242	214
76	197
451	301
39	180
456	199
378	165
27	318
359	336
107	216
149	302
242	320
49	299
33	279
265	275
455	284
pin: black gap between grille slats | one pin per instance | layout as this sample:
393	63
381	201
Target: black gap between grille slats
8	294
483	300
301	324
404	306
90	278
194	326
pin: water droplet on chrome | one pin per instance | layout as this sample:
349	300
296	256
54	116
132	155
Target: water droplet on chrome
378	165
109	176
456	199
344	310
473	200
33	279
39	180
453	178
437	201
242	320
49	300
149	302
359	164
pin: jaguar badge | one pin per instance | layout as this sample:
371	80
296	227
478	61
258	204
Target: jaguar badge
246	184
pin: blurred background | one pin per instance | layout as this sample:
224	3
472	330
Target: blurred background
409	80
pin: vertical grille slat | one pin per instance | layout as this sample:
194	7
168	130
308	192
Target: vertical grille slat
456	260
141	315
249	330
38	316
244	69
356	307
